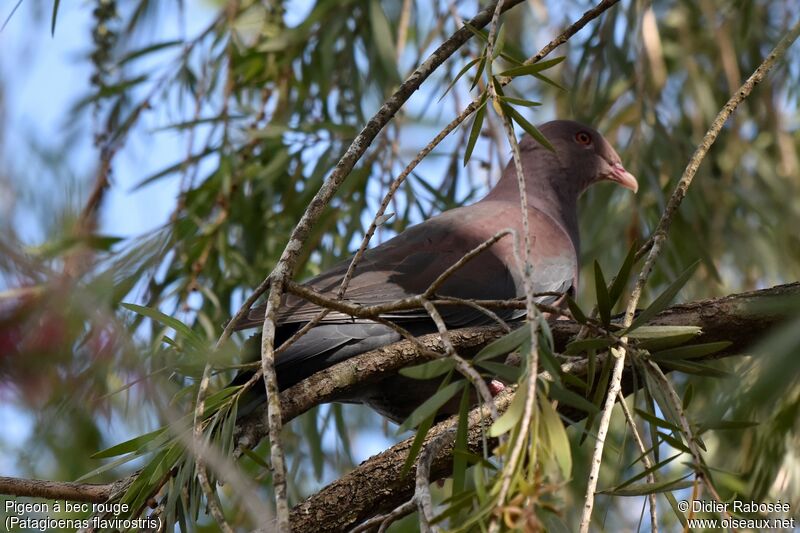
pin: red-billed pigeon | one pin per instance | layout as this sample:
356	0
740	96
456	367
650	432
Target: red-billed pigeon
408	263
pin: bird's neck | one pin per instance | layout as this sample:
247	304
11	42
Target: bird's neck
557	202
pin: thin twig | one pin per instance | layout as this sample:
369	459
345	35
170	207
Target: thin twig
431	290
286	264
653	248
462	365
651	477
697	456
385	520
422	492
532	322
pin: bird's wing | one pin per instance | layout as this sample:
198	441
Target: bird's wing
407	264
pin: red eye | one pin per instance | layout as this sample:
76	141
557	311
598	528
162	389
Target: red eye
583	138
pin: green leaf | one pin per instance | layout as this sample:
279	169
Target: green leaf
726	424
431	406
556	434
533	68
687	396
475	131
257	459
646	472
108	466
527	126
342	429
313	439
458	76
480	34
479	71
663	337
548	81
698	369
148	49
416	446
382	38
505	344
644	489
660	422
577	312
499	40
570	398
603	299
460	445
56	3
507	373
678	444
691	352
664	298
512	415
655	389
600	389
618	285
576	347
133	445
191	337
518	101
681	516
183	164
429	370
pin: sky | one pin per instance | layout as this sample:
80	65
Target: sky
42	75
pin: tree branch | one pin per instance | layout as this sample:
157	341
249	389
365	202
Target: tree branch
376	487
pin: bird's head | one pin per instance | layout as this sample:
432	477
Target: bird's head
584	154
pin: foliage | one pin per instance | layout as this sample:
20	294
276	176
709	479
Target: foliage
266	97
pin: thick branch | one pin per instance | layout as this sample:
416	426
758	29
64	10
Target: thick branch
375	486
58	490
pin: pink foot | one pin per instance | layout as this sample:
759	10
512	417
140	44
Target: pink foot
496	387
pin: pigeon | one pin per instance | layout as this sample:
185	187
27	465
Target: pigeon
407	264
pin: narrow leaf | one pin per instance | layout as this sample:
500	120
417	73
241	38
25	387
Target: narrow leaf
527	126
644	489
532	68
691	352
429	370
512	415
660	422
461	72
475	131
577	312
431	406
664	298
576	347
460	445
698	369
507	373
129	446
603	299
646	472
568	397
726	424
505	344
618	285
56	3
556	436
519	101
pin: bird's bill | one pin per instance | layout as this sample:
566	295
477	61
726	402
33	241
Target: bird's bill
618	174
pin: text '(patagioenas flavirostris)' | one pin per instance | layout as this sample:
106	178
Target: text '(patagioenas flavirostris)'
407	264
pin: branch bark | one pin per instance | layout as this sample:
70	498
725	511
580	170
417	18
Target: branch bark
376	487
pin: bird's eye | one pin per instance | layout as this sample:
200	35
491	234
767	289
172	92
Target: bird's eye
583	138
